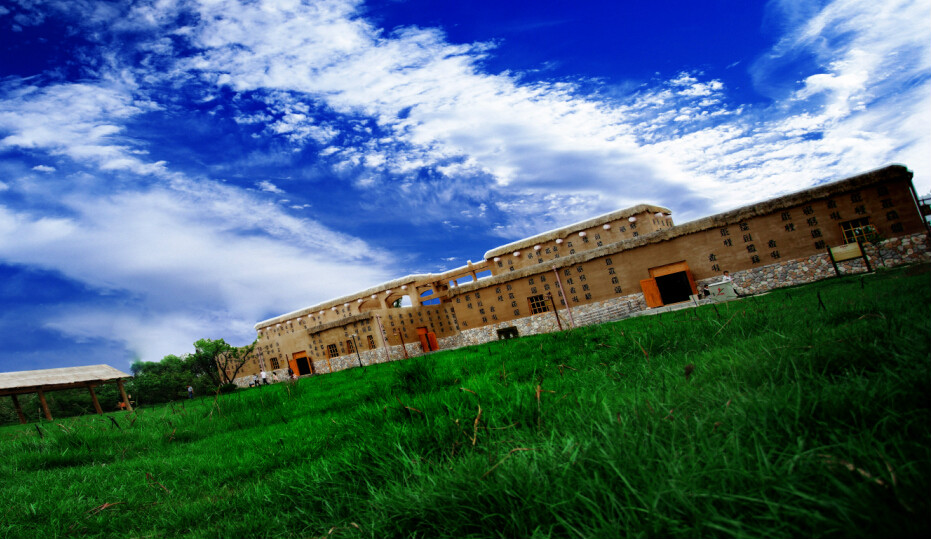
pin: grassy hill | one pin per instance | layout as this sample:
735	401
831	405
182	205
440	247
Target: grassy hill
804	412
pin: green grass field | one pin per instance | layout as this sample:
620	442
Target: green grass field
767	417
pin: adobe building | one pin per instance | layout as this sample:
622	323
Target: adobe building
604	268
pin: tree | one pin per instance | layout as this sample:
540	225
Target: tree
165	380
219	361
214	363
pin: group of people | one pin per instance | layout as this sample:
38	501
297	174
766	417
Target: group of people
255	379
262	378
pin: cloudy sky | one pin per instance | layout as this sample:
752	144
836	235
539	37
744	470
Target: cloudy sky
174	169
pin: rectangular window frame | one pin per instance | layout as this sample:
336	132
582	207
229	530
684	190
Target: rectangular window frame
538	304
857	230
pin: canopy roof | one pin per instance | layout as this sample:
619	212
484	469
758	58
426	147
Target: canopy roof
52	379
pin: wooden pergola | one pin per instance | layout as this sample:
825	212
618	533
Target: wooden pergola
24	382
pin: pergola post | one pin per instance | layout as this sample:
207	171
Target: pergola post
48	414
19	410
129	406
94	398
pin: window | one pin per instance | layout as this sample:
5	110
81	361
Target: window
371	342
538	304
275	364
856	230
350	347
331	350
507	333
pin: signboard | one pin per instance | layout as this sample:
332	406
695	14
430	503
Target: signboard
722	291
846	252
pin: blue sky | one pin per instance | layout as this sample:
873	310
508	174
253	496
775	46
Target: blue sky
172	170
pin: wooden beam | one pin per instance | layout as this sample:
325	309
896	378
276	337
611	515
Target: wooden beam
19	410
129	407
94	398
48	414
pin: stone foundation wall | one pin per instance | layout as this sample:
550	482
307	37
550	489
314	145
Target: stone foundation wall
593	313
279	375
889	253
609	310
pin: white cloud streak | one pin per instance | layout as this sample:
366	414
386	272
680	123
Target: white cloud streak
546	137
190	250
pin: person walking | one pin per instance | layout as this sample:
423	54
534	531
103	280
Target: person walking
264	377
190	392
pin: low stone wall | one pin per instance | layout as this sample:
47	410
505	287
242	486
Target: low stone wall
275	376
609	310
593	313
889	253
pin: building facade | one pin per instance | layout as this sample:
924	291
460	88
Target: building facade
603	269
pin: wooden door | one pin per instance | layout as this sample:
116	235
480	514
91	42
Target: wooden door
301	364
431	340
424	340
651	293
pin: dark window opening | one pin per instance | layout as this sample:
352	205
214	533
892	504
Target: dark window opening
507	333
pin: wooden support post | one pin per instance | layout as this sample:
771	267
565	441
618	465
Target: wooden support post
553	303
48	414
19	410
94	398
358	355
129	407
384	338
564	297
400	335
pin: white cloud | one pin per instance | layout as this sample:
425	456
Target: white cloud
269	187
43	168
534	138
860	111
80	121
207	258
525	137
159	246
